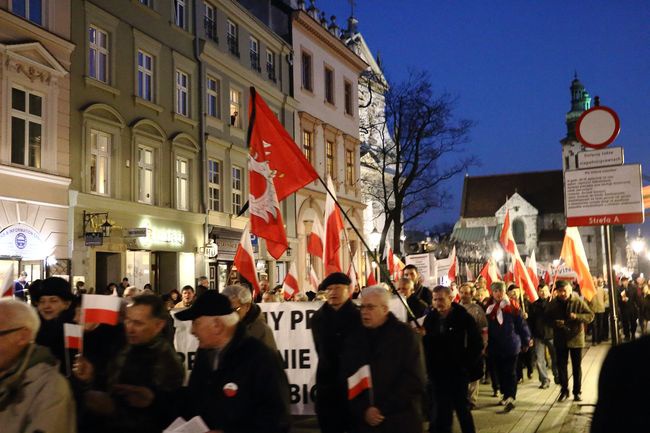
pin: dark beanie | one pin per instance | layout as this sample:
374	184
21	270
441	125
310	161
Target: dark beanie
56	286
334	278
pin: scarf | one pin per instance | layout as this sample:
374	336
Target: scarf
496	310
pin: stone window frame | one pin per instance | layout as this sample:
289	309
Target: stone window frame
143	42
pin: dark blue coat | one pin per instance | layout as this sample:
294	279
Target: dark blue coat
506	339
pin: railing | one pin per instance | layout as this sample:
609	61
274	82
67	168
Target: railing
211	29
233	45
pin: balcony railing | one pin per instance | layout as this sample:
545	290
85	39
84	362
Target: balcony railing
233	45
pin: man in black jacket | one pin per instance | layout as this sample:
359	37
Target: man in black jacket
452	345
628	303
330	326
542	334
422	292
238	383
392	354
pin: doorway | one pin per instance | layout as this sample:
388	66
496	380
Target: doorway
108	269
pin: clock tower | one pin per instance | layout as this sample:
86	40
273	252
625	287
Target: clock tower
580	102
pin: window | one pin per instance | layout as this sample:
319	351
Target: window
145	174
307	144
329	153
210	22
237	190
255	54
233	38
519	231
147	3
26	128
29	9
182	183
100	162
214	185
182	93
349	167
213	90
270	65
329	85
180	12
98	54
306	72
145	76
235	108
348	97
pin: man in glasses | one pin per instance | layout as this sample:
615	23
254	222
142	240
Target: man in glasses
34	396
250	315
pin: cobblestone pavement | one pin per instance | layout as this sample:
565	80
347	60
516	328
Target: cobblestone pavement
537	411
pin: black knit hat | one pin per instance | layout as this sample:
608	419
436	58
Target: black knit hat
210	303
334	278
56	286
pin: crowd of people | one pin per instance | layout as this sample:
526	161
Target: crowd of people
374	373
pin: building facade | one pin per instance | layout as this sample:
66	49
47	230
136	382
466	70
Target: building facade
325	77
35	60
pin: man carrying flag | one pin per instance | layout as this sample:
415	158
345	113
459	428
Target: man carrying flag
388	349
276	168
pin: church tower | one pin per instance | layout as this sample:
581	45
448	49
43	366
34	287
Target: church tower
580	102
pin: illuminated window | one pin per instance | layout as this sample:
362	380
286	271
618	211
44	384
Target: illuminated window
145	174
214	184
100	162
237	189
307	144
349	167
235	108
329	154
182	183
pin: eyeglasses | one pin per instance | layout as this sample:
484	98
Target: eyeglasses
368	307
9	331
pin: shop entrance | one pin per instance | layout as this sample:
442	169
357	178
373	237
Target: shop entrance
107	269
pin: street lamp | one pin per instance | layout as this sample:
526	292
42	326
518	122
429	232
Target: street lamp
638	245
375	238
497	254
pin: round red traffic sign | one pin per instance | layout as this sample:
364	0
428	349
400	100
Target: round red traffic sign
598	127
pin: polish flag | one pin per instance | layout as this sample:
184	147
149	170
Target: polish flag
490	273
531	266
573	254
390	259
290	284
507	240
520	274
399	267
316	239
333	229
453	268
370	273
245	261
359	382
100	309
72	335
7	288
547	275
468	274
313	279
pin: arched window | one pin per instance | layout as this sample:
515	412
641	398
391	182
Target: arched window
519	231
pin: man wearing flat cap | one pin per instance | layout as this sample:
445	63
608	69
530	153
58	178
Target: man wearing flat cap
331	325
237	383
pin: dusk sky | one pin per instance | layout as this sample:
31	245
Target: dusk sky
511	63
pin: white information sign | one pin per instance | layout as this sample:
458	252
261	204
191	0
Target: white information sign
608	195
600	158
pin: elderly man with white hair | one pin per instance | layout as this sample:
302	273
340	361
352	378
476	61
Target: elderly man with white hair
34	396
392	352
237	383
250	314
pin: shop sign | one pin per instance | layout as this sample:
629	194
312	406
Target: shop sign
94	239
20	240
158	236
137	232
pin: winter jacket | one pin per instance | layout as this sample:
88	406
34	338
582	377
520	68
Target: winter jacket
394	353
597	304
417	305
507	338
256	327
50	335
570	333
424	293
629	309
452	344
248	392
34	396
539	327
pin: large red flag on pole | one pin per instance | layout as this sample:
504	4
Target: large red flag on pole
370	272
276	169
520	273
575	258
333	229
452	273
316	239
531	266
490	273
245	261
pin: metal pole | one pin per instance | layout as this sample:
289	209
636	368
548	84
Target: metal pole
613	306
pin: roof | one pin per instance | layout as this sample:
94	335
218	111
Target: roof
476	234
484	195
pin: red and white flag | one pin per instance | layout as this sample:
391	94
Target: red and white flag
547	275
370	273
573	254
399	267
313	279
520	274
100	309
359	382
390	259
531	266
7	288
469	275
72	336
290	284
316	239
333	229
453	267
245	261
276	169
490	273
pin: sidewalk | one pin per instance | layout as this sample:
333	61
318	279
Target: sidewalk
537	410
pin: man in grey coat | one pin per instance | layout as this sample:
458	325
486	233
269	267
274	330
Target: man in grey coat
250	314
34	396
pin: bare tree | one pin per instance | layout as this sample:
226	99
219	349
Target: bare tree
420	147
